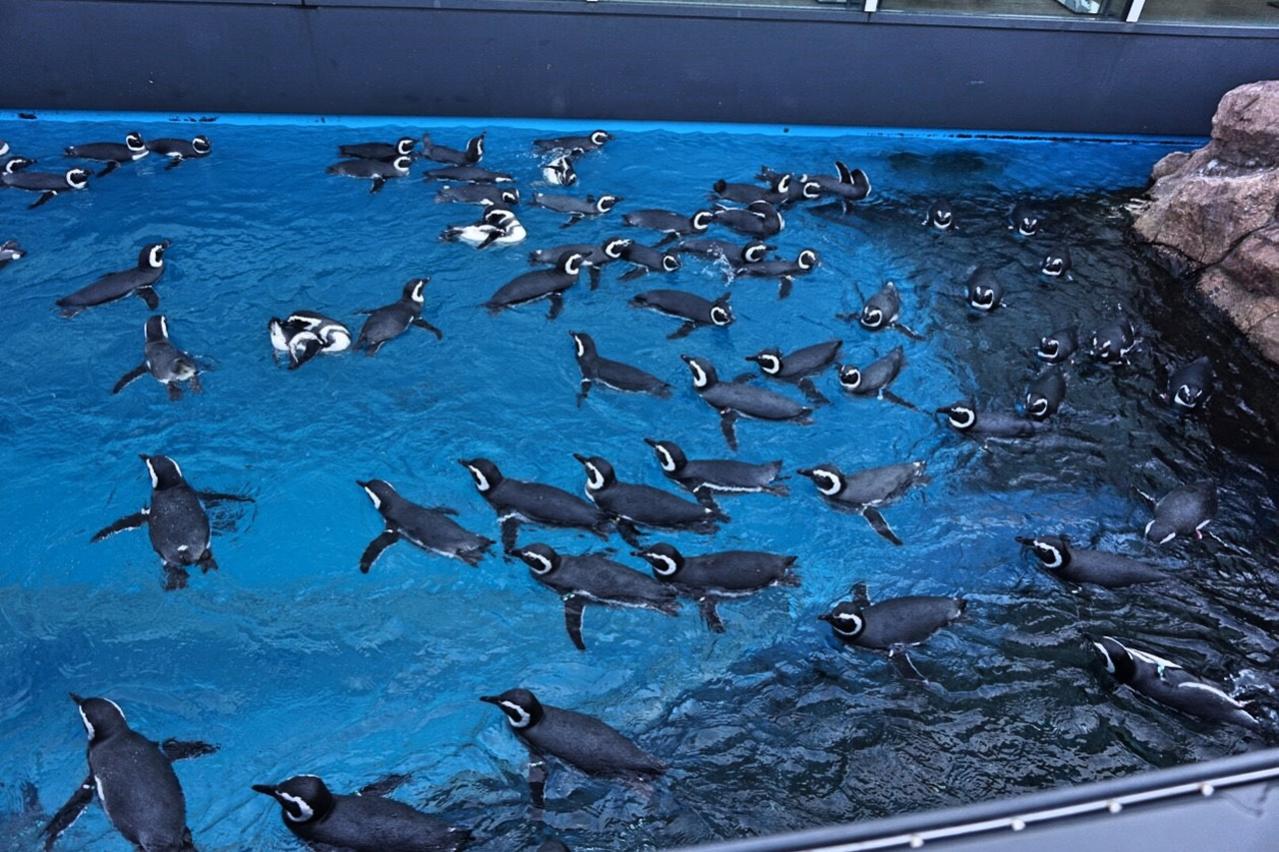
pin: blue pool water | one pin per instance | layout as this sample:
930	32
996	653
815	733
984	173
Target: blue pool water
292	661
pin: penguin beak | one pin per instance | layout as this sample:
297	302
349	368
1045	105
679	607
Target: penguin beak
490	699
76	698
145	458
581	458
1023	540
754	358
465	462
361	483
265	789
804	471
826	617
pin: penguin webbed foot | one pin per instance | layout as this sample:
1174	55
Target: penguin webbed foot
195	384
207	563
683	331
573	608
69	812
175	749
175	578
385	785
375	548
537	783
629	533
423	324
713	622
175	391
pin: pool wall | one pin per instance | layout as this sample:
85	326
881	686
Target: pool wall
619	60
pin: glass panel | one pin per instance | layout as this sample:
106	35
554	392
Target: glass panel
1219	12
1011	8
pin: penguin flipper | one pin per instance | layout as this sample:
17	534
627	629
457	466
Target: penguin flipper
69	812
130	377
176	750
43	199
148	295
174	162
727	421
421	323
810	390
711	615
537	782
583	390
901	661
384	786
595	277
375	548
378	183
510	533
108	168
128	522
633	273
908	331
879	525
683	331
175	391
557	305
573	219
629	533
219	497
784	285
897	400
573	607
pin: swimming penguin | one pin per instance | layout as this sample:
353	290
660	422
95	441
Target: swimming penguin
178	150
581	741
710	577
595	258
633	505
1069	564
518	502
430	528
759	219
1183	511
176	521
385	151
484	194
305	334
168	364
12	165
1023	219
881	311
134	781
576	208
645	259
364	822
964	418
693	309
10	251
48	184
498	226
390	321
1059	346
738	399
593	578
471	174
140	281
734	254
892	625
940	216
611	374
469	156
673	225
1190	384
745	193
802	187
559	171
1057	263
1167	683
111	153
848	185
547	284
784	271
866	490
704	478
1045	394
985	292
573	144
1112	343
800	366
875	377
372	170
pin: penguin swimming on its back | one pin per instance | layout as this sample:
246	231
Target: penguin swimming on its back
140	280
559	171
498	226
305	334
164	361
892	625
390	321
430	528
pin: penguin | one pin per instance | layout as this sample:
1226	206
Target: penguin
693	309
10	251
547	284
712	576
305	334
390	321
430	528
632	505
611	374
386	152
866	490
1111	343
759	219
704	478
179	150
1045	394
892	625
559	171
745	193
802	187
4	148
176	521
48	184
673	225
738	399
168	364
784	271
13	165
372	170
595	258
139	281
1188	386
484	194
592	141
848	185
594	578
498	226
576	208
964	418
469	156
1167	683
364	822
985	292
645	259
1057	263
1183	511
1023	219
518	502
1059	346
470	174
800	366
133	779
1068	564
735	255
940	216
875	377
882	310
112	153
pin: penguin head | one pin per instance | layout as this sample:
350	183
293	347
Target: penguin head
404	146
703	372
201	145
379	491
982	298
701	220
769	360
583	343
571	264
540	558
599	473
669	455
721	313
156	329
1054	264
872	315
102	717
76	178
599	137
152	255
499	217
164	471
828	478
134	142
302	797
14	250
520	706
1117	659
605	203
755	252
402	164
1052	551
614	246
1187	396
303	346
17	164
484	472
670	262
781	186
850	378
1160	530
510	196
808	259
1038	406
941	216
415	290
475	148
845	619
665	559
810	189
961	415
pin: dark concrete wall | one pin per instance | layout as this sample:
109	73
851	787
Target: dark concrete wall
559	58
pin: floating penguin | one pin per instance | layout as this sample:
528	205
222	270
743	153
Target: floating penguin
593	141
964	418
882	310
672	225
176	521
469	156
180	150
48	184
738	399
390	321
134	780
386	152
576	208
518	502
365	822
875	377
734	254
784	271
1059	346
759	219
470	174
645	259
1112	343
633	505
595	258
498	226
1167	683
139	281
940	216
1045	394
10	251
593	578
704	478
710	577
430	528
1057	263
1190	384
1069	564
746	193
694	310
866	490
1023	219
372	170
800	366
581	741
12	165
984	290
894	624
611	374
112	153
559	171
1183	511
484	194
548	284
166	363
802	187
848	185
305	334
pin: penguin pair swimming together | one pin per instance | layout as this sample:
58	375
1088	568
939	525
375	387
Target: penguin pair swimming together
139	281
799	367
576	208
875	378
386	152
498	226
758	220
967	420
633	505
11	250
882	310
777	193
706	478
469	155
548	284
305	334
113	154
378	172
847	185
1059	557
517	502
609	373
693	309
166	363
892	625
738	399
48	184
180	150
864	491
390	321
430	528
